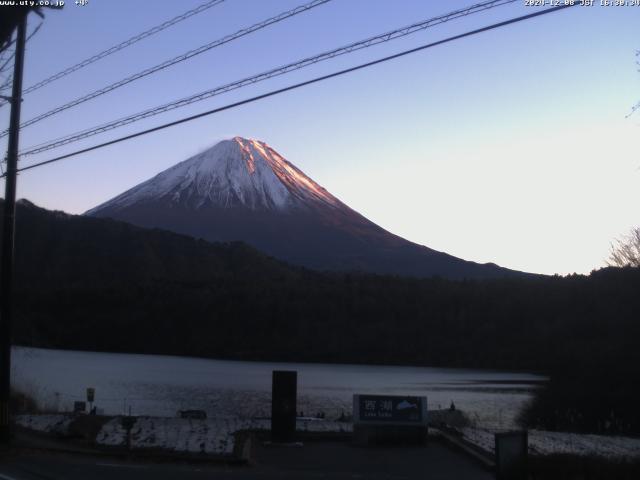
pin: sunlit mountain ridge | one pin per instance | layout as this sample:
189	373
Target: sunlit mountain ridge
244	190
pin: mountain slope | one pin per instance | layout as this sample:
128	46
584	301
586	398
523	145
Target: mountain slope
244	190
56	250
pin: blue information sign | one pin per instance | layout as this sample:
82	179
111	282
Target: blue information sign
389	409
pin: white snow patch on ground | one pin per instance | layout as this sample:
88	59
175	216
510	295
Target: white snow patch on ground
112	433
547	443
180	435
185	435
217	435
53	424
210	436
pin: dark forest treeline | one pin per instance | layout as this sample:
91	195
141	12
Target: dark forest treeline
94	284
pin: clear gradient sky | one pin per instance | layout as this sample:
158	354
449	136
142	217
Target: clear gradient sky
511	146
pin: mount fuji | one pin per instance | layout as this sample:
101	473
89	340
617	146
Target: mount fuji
243	190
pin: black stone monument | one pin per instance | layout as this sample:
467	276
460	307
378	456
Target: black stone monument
283	406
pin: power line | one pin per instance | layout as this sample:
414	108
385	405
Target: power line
298	85
7	83
7	44
369	42
5	64
180	58
33	33
127	43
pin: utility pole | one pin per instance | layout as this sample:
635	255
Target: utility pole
8	234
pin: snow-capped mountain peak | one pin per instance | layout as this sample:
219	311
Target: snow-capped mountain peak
234	172
243	190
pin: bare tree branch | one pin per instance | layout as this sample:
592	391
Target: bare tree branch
626	251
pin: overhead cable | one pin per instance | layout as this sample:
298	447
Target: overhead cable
297	65
173	61
296	86
122	45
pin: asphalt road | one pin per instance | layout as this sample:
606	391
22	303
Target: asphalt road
331	460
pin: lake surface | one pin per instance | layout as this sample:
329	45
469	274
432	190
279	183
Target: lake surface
161	385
